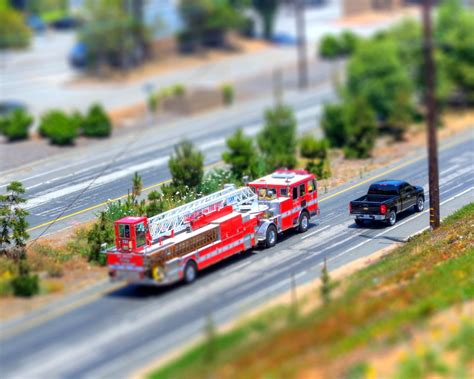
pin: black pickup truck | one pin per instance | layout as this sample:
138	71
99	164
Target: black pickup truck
385	199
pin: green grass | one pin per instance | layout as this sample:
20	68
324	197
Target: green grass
375	305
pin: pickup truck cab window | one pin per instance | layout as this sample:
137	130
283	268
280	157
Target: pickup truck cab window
383	189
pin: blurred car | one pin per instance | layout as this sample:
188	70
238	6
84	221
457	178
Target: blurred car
66	23
36	23
78	55
9	106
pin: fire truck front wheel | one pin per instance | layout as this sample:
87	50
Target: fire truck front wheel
271	236
303	222
190	272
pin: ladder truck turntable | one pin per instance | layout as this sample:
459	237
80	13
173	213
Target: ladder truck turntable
173	246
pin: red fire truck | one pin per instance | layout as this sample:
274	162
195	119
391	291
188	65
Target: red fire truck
176	244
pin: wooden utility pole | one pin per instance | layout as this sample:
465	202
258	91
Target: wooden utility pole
301	32
431	115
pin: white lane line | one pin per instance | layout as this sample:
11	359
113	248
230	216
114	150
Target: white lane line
316	231
399	224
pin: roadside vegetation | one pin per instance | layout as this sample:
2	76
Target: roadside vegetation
383	89
14	33
372	312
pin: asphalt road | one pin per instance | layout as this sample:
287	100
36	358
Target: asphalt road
123	330
77	182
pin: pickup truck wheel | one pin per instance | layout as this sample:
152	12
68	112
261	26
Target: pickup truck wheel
190	272
303	222
420	204
392	218
271	236
359	222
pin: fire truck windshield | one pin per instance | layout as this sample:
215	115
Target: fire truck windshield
124	231
267	193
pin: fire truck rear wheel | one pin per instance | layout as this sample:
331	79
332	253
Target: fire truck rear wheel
303	222
190	272
271	236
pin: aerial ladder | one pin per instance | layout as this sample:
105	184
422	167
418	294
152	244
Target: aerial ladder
177	220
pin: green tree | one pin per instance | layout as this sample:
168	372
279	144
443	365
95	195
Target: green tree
376	74
97	122
13	222
240	155
361	128
58	127
459	42
186	166
137	185
16	125
316	152
326	284
13	31
100	233
25	284
277	140
112	35
329	46
267	10
332	123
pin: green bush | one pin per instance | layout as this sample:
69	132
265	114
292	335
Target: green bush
316	151
348	42
240	155
96	123
58	127
332	123
178	90
329	47
277	140
25	285
13	31
361	129
186	166
15	126
228	93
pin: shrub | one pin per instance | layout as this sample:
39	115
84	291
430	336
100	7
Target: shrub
361	129
316	151
16	125
329	47
228	93
178	90
25	285
277	140
153	102
186	165
13	31
97	122
214	181
58	127
348	42
240	155
332	123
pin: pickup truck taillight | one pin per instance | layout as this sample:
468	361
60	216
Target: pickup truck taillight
350	207
383	209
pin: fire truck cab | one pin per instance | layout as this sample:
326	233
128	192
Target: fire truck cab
176	244
291	197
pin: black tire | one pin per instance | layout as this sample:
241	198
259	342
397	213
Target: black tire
271	236
190	272
420	204
359	222
303	223
391	218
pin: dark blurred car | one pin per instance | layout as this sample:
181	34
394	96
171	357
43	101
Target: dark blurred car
9	106
36	23
78	55
66	23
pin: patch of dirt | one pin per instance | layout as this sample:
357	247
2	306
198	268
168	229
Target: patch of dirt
372	17
173	60
72	281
